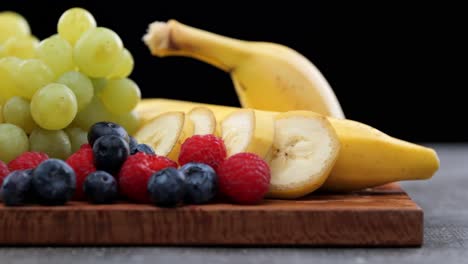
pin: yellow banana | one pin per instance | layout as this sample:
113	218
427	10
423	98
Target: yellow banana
257	69
370	158
367	157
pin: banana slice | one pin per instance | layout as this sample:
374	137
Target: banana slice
305	148
237	130
246	131
187	131
164	132
203	119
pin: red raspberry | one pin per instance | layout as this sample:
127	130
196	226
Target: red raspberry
86	146
207	149
244	178
4	171
136	171
82	163
27	160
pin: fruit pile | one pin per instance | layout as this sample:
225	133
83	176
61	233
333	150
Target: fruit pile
52	91
70	109
114	165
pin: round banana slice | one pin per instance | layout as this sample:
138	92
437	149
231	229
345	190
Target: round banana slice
247	130
203	119
305	148
164	133
237	130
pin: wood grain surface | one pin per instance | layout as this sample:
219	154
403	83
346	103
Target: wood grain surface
384	216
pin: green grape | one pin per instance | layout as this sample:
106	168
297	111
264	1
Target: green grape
13	142
77	137
120	96
11	63
1	114
124	67
94	112
20	46
12	24
81	86
97	52
130	121
54	106
34	74
98	84
9	67
17	111
55	143
74	22
57	53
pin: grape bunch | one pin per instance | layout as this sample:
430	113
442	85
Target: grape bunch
53	91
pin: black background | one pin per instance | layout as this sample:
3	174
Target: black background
395	66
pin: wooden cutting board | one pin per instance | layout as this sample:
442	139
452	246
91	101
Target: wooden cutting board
384	216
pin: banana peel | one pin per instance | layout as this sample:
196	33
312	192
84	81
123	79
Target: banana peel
291	81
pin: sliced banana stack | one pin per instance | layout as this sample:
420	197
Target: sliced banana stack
305	148
301	147
165	132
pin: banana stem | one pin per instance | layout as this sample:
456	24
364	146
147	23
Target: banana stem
176	39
